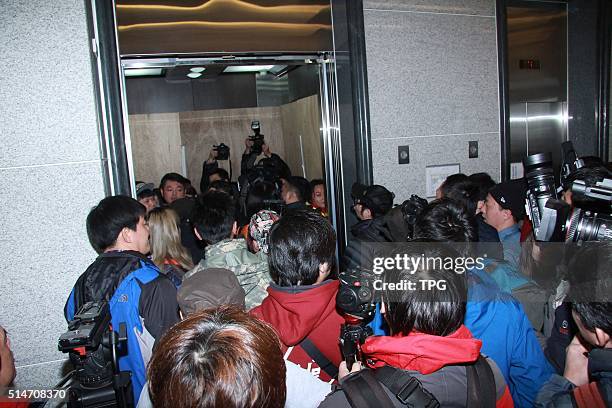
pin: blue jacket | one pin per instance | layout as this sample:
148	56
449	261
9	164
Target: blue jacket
139	296
507	337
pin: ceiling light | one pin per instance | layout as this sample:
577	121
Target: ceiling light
248	68
194	75
138	72
197	69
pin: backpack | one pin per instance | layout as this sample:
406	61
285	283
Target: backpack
364	389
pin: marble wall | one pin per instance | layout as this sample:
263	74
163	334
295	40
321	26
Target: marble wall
433	86
301	126
156	145
50	176
157	138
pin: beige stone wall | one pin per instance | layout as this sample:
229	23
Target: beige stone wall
157	138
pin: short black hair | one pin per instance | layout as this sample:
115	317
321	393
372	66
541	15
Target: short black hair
299	242
483	182
452	179
590	285
465	193
445	220
435	312
300	186
222	173
316	182
106	220
213	216
173	177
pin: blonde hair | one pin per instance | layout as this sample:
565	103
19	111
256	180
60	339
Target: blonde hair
165	237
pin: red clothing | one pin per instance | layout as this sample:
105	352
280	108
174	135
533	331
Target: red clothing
427	354
306	311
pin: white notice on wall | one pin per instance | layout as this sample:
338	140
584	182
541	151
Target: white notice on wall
435	176
516	170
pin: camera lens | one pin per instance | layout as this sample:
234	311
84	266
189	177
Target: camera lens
588	226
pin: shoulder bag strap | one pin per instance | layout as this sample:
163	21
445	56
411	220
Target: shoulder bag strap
362	390
319	358
481	390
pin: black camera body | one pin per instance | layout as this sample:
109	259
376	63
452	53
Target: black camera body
92	347
552	218
223	151
257	138
355	300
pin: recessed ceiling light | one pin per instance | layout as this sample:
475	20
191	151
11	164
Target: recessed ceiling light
137	72
197	69
194	75
248	68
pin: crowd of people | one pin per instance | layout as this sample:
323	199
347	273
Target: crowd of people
229	296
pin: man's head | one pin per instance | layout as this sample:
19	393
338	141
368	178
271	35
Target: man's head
218	358
302	249
505	204
463	192
295	189
146	196
591	292
117	223
218	174
445	220
371	201
435	312
483	183
214	217
173	187
317	197
449	182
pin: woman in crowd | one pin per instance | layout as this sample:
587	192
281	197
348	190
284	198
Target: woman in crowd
167	252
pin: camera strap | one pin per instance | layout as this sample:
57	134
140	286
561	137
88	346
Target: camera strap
363	390
408	389
323	362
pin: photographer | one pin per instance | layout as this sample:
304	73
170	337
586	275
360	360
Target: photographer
138	294
427	342
211	171
589	355
251	157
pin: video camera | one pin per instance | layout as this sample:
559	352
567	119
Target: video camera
92	347
552	218
355	299
223	151
257	138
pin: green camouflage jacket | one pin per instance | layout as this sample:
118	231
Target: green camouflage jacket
250	269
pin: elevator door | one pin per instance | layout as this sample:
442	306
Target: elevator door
537	75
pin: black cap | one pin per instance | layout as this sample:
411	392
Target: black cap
510	195
376	198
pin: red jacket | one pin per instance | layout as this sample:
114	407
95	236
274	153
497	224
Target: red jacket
427	354
305	311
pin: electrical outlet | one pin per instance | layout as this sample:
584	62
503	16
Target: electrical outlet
473	149
403	154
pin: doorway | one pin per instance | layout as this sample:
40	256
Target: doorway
180	109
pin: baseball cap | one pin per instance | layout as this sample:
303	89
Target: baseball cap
510	195
142	187
208	288
259	227
375	197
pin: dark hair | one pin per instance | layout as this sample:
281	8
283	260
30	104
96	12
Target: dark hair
220	357
222	173
465	193
483	182
259	197
590	285
213	216
316	182
435	312
173	177
450	180
300	186
299	242
224	186
447	221
590	175
106	220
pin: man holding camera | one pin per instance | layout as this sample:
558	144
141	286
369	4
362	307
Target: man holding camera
138	294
